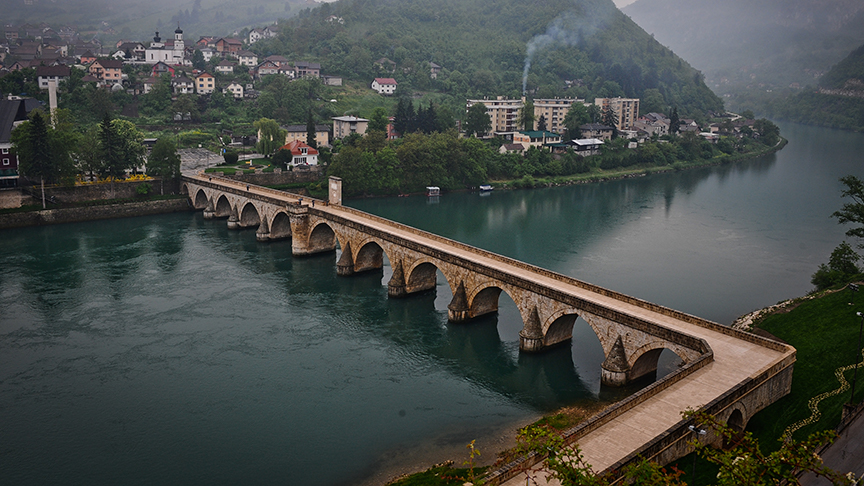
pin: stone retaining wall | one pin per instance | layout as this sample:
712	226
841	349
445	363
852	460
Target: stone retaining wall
295	176
90	213
95	192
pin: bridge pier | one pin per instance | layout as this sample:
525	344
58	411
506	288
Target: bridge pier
615	370
458	310
345	265
209	212
263	232
531	336
396	285
308	238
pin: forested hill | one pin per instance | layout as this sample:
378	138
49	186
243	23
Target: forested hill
847	74
482	47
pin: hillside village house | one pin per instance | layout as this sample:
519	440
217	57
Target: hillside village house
228	46
346	125
298	132
305	69
267	68
434	69
183	85
235	89
301	154
502	112
149	83
205	83
553	111
51	73
625	110
384	86
161	68
106	70
257	34
225	67
247	58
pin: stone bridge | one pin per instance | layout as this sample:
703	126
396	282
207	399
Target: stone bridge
729	373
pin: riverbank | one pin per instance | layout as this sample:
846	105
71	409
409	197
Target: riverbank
28	216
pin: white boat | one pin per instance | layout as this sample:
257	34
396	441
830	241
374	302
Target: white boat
433	191
486	187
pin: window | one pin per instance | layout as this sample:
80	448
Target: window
5	150
5	161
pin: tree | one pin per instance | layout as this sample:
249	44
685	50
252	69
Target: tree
311	132
43	152
526	116
674	121
576	116
852	212
405	120
609	119
164	161
477	121
842	267
378	121
198	61
270	136
120	148
541	123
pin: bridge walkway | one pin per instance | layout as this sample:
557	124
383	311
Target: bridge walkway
734	361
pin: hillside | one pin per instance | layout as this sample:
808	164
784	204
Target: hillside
585	48
837	103
745	45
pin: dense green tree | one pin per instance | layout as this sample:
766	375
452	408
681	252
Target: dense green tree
576	116
43	152
526	116
378	121
120	148
198	61
852	212
164	162
674	121
270	135
405	120
841	268
769	133
541	123
311	132
477	121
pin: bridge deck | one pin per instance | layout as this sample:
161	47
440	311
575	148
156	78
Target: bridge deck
734	359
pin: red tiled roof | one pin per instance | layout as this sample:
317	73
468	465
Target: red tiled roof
386	81
295	146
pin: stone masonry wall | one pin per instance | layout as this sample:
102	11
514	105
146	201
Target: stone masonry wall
74	215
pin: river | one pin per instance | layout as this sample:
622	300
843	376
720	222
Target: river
168	349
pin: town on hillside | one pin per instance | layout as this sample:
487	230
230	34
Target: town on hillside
193	76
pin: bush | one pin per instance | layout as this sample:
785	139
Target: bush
231	157
842	268
143	189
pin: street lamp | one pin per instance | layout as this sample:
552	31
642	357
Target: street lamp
698	432
857	351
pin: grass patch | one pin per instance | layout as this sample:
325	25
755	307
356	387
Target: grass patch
824	330
439	475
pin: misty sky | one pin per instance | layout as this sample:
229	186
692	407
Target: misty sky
622	3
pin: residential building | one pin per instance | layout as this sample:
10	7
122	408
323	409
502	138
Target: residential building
553	110
183	85
587	146
205	83
596	130
346	125
384	86
132	50
161	68
511	148
298	132
301	154
235	89
653	124
332	80
107	70
51	73
225	67
537	138
149	83
434	69
228	46
625	110
307	69
247	58
502	112
267	68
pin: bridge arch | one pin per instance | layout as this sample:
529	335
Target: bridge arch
322	237
280	227
370	256
643	360
184	189
485	298
200	200
560	329
222	208
249	216
423	275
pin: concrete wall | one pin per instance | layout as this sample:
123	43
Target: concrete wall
74	215
11	198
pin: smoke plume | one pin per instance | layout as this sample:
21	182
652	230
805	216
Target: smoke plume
569	29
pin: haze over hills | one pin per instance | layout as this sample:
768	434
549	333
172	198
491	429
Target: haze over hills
495	47
755	44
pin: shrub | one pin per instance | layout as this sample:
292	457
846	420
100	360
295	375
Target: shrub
143	189
231	157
